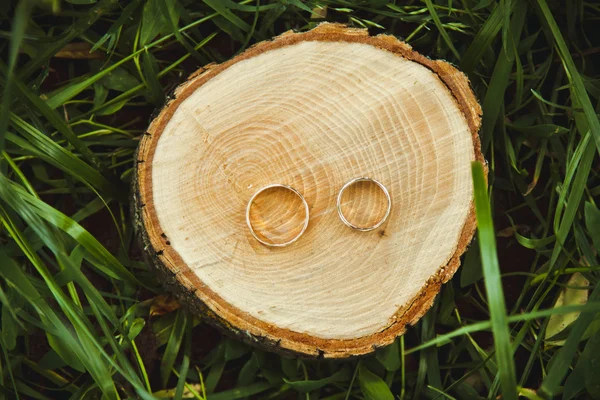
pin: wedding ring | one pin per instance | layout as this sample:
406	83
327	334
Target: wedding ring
364	228
251	227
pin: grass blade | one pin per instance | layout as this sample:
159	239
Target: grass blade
173	345
75	30
572	73
227	14
185	364
493	284
440	26
57	122
561	363
42	146
22	12
483	39
494	97
372	386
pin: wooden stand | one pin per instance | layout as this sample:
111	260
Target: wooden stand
312	110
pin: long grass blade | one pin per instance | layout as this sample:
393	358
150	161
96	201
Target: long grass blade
493	284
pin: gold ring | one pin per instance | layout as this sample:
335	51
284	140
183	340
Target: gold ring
364	228
306	218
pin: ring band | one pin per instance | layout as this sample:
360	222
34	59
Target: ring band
365	228
251	201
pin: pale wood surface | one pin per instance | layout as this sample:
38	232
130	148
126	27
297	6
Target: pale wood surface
314	112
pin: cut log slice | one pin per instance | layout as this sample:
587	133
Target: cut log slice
313	111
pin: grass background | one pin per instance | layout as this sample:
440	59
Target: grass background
83	317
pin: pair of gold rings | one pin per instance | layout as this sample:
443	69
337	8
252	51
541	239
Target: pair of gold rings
306	210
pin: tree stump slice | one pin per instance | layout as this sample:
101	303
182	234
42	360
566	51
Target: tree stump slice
312	110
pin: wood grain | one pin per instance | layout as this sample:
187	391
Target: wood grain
312	110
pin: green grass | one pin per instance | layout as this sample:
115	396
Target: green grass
82	315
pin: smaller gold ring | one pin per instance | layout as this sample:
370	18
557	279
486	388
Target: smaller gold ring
251	201
364	228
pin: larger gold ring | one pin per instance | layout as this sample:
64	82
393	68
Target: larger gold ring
364	228
251	201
